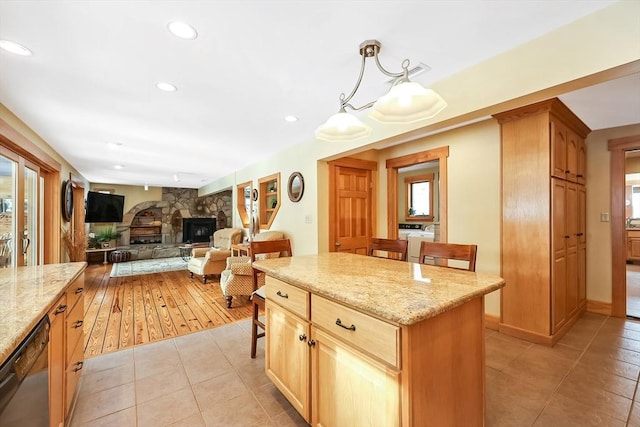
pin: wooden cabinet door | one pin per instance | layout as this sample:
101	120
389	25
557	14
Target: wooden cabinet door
287	356
349	388
572	228
558	149
572	157
57	363
634	248
582	245
582	161
558	249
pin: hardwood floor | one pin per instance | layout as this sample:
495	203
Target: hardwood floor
121	312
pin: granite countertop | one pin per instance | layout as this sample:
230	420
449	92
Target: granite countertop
26	296
401	292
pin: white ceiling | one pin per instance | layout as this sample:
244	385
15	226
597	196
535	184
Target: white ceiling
91	80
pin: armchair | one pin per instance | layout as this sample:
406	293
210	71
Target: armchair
211	261
237	278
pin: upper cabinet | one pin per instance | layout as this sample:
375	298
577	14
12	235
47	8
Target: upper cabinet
269	199
243	201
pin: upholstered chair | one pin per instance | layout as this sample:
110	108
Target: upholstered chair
237	278
211	261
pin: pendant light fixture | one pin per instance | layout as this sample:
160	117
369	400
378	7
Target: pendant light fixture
406	102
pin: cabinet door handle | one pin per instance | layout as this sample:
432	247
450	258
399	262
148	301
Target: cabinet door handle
579	175
78	324
349	328
280	294
567	236
79	290
302	337
61	308
580	234
311	343
79	366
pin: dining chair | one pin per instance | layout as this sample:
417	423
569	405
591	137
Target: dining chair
441	253
395	248
261	250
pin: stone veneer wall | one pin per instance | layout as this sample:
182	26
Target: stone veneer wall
189	205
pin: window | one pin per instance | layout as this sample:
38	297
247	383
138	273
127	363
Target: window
419	198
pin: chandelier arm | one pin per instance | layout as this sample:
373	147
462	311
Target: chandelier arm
405	66
364	107
353	92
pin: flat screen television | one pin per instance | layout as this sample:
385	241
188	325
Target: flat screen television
103	207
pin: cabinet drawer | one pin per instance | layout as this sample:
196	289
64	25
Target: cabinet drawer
75	292
373	336
293	299
75	331
73	374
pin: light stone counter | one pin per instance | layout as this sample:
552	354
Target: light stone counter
401	292
26	295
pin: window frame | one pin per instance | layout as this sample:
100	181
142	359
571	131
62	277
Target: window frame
409	181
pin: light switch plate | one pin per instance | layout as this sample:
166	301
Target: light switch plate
604	217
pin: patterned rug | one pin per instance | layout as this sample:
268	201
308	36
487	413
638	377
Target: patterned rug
147	266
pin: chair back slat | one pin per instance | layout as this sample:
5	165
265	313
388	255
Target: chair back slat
391	246
282	246
449	251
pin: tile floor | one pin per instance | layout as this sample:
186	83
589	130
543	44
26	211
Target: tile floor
208	379
633	290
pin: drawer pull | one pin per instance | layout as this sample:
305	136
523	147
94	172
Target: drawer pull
61	308
280	294
78	324
349	328
79	290
302	337
311	343
78	366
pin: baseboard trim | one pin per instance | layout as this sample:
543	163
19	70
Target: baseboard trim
599	307
492	322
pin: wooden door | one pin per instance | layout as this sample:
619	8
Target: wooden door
558	251
351	205
287	356
349	388
582	245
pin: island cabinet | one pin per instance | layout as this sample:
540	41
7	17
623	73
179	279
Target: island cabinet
66	351
341	366
543	220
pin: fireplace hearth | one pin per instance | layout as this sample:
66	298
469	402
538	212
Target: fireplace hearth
196	230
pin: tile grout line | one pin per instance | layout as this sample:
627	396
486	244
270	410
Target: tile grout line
555	391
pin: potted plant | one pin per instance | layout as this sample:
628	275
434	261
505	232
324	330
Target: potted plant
107	237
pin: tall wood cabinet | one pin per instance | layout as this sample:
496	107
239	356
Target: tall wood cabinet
543	220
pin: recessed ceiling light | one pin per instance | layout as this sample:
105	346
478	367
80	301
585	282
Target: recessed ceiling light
291	119
118	167
15	48
167	87
182	30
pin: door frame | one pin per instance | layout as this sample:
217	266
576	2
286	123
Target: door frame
618	148
353	163
441	154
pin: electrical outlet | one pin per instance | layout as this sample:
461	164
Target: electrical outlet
604	217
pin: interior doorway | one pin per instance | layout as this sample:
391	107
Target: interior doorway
624	272
632	228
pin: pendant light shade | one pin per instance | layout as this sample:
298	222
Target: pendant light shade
407	102
342	127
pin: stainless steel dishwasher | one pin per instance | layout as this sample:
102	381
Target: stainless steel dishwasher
24	381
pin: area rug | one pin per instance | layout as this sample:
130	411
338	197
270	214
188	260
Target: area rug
147	266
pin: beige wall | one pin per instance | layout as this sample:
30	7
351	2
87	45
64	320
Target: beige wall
599	201
133	194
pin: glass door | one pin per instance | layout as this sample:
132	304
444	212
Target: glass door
30	233
8	225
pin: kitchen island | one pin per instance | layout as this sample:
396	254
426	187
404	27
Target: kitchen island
29	294
357	340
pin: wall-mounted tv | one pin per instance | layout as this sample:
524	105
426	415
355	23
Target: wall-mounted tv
103	207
